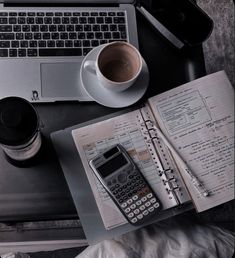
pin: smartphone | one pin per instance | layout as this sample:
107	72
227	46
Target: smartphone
186	21
126	185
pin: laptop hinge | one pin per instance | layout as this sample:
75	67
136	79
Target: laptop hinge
56	4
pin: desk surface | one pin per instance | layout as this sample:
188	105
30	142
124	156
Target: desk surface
40	191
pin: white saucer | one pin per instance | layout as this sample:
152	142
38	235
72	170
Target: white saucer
108	98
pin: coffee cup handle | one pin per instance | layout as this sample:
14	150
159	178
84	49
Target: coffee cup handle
89	65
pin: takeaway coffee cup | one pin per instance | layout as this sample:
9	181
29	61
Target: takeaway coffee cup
20	136
117	66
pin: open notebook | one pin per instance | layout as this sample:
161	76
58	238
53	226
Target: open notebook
198	120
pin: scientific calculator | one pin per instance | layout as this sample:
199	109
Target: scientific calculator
126	185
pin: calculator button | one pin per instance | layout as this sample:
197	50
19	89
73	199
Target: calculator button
135	197
151	209
124	205
143	199
153	200
129	201
134	220
145	213
138	202
142	207
137	211
127	210
131	215
156	205
122	178
147	204
140	216
133	206
150	195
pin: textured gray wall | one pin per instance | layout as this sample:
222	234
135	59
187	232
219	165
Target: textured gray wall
219	49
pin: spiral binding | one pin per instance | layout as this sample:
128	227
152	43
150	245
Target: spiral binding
161	157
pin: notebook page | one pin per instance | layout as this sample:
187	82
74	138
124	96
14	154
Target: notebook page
126	130
198	120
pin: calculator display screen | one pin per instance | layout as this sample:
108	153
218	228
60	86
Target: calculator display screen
112	165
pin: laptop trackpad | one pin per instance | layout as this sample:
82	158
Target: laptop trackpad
60	79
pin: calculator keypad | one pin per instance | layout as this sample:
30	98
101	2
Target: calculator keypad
134	196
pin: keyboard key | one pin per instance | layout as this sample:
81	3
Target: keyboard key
82	20
31	52
61	27
22	14
72	35
5	28
85	52
31	14
90	35
60	43
119	20
74	20
99	20
77	43
19	35
46	35
25	28
12	52
15	44
37	35
40	14
79	28
3	52
52	28
55	35
6	36
63	35
28	36
60	52
3	14
81	35
16	28
91	20
35	28
4	44
30	20
68	43
48	20
58	14
65	20
86	43
22	52
33	44
12	21
50	43
23	44
49	14
21	20
39	20
42	43
3	20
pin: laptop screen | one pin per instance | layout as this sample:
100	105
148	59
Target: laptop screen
70	1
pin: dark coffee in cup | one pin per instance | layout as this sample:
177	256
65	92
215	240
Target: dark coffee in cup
20	136
117	66
119	63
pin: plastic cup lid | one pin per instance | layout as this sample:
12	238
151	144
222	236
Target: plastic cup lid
18	121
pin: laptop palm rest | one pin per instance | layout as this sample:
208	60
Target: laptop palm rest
60	80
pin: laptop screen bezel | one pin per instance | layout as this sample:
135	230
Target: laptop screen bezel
84	2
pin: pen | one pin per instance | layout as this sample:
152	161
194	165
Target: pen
197	184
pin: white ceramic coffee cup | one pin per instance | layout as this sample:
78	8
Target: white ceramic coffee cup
117	65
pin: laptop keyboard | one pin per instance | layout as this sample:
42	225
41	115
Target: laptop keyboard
46	34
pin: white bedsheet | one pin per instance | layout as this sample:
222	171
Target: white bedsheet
167	241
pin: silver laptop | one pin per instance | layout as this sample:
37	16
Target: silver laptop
42	45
